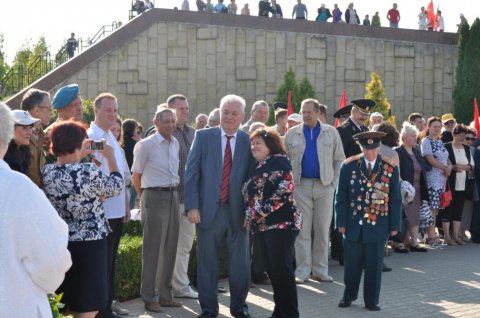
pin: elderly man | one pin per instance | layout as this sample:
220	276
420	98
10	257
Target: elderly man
376	118
316	152
259	113
155	177
34	239
201	121
368	209
117	208
214	118
217	167
39	105
184	135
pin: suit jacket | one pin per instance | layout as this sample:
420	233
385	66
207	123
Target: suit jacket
38	158
329	152
356	212
203	175
346	130
407	169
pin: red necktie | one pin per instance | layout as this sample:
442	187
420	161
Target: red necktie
227	167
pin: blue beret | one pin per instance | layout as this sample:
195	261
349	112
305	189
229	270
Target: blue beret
65	95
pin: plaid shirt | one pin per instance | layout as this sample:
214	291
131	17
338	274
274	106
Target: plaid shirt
185	138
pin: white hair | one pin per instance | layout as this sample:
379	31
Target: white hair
407	129
232	99
6	126
214	118
258	104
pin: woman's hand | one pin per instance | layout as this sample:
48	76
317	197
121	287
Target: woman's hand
246	224
108	151
86	148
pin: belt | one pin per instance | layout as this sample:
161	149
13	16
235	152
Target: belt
166	189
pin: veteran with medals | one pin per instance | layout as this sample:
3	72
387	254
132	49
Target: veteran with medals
367	210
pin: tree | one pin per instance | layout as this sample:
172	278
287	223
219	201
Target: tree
306	89
376	92
468	73
3	63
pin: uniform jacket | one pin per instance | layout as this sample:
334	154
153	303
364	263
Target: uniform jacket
203	175
382	214
329	152
346	130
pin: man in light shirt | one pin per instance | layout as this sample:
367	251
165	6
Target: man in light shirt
116	208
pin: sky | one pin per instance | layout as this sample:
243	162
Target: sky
56	19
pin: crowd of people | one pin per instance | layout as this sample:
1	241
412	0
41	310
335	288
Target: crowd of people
263	191
427	19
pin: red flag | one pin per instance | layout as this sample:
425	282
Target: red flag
342	103
289	104
476	118
431	15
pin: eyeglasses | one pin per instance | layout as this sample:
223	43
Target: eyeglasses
469	138
450	122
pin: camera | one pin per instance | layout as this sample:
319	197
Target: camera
96	145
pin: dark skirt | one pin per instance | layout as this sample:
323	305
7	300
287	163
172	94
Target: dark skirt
85	287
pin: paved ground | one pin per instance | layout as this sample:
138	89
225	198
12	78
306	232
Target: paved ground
441	283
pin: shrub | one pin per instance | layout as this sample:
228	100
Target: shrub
129	267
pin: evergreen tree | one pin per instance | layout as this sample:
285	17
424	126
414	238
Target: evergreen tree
470	76
306	89
376	92
3	63
460	98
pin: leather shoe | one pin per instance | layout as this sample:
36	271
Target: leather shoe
344	303
153	307
242	314
372	307
221	290
206	315
386	268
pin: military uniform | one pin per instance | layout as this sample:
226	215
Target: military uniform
368	206
346	130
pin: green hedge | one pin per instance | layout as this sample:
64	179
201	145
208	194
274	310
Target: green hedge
129	263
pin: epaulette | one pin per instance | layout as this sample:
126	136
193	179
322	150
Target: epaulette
352	159
388	160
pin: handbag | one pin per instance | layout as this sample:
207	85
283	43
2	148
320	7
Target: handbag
446	197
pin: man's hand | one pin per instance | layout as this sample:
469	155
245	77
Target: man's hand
341	230
193	216
127	216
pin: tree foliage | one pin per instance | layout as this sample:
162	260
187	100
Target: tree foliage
375	91
300	91
3	63
467	84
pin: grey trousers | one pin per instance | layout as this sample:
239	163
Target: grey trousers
160	222
209	247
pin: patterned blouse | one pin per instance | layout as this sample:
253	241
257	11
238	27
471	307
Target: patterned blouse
269	196
77	192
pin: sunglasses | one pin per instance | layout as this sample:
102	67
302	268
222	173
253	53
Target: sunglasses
469	138
449	122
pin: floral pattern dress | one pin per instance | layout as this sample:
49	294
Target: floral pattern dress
269	196
435	177
77	192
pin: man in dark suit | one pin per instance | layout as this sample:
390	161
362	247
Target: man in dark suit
368	209
217	167
359	113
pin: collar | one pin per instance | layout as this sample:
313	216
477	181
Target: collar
161	139
186	128
99	131
317	126
223	133
372	162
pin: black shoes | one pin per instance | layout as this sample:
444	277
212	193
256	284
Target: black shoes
243	314
418	248
372	307
386	268
206	315
344	303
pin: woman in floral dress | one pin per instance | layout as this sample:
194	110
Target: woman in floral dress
435	153
77	191
273	216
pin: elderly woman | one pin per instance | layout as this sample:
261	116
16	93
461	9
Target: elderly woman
34	239
273	216
77	191
18	154
436	155
461	158
412	168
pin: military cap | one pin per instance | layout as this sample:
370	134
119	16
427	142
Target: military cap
279	105
65	95
363	105
369	139
343	112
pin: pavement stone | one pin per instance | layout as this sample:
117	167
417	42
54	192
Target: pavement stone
444	282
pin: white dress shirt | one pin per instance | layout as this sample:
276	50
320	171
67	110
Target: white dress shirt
114	206
224	142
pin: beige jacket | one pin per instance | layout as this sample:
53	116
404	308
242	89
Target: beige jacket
329	150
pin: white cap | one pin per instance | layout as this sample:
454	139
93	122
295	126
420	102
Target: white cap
296	117
23	118
376	114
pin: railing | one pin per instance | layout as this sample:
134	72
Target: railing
23	75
